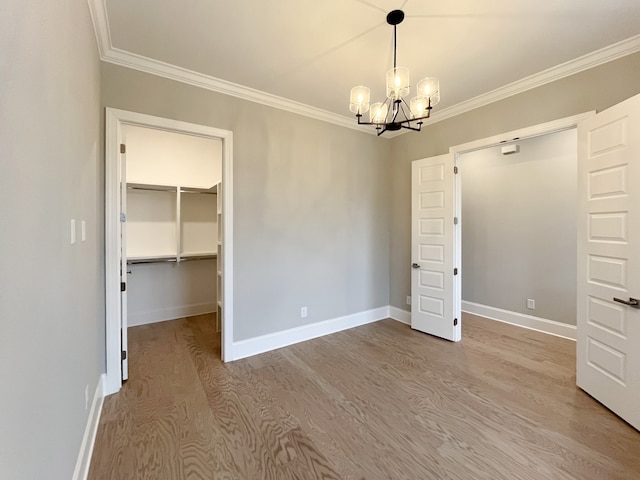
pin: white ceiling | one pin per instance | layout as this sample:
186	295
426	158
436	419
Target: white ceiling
314	51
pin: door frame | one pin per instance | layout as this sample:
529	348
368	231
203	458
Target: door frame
457	151
115	119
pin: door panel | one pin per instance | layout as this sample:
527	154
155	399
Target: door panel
608	341
434	292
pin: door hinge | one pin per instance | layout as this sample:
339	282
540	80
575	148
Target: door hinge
455	271
455	322
123	148
123	286
123	355
123	217
455	220
455	169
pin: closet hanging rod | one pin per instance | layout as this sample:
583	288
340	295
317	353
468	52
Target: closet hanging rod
153	189
151	260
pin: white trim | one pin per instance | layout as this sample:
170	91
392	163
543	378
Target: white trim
170	313
112	256
226	259
265	343
522	320
400	315
100	20
207	82
110	54
115	119
558	72
89	439
522	133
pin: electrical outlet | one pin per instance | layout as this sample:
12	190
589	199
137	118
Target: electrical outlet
86	397
531	304
408	299
303	312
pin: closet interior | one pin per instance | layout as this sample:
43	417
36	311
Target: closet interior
172	236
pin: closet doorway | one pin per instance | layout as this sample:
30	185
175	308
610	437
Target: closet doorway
518	231
168	228
437	191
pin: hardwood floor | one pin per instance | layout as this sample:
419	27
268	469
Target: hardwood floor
378	402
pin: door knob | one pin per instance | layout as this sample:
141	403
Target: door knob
415	265
633	302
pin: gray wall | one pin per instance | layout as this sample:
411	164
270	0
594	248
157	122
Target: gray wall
519	218
311	203
51	300
594	89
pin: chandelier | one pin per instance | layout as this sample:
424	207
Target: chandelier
394	113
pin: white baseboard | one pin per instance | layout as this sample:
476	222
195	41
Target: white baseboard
265	343
88	440
520	319
400	315
170	313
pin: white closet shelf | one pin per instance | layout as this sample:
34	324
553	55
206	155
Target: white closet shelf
202	255
212	191
172	188
172	258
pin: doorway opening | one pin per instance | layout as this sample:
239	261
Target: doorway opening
197	220
566	146
519	223
437	240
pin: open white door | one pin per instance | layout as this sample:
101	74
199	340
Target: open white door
608	339
123	264
435	297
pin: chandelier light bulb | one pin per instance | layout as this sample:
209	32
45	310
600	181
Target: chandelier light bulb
418	106
359	100
398	82
429	88
378	113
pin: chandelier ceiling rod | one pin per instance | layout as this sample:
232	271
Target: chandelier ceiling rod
395	18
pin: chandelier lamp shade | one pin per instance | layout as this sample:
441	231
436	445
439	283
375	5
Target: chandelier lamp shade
395	113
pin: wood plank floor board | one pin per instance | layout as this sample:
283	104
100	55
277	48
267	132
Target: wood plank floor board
379	401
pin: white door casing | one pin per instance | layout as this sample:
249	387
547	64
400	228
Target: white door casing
123	264
435	295
608	338
115	122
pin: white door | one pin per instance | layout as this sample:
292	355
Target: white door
608	339
435	296
123	264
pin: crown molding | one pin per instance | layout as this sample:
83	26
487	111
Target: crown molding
577	65
100	20
172	72
110	54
